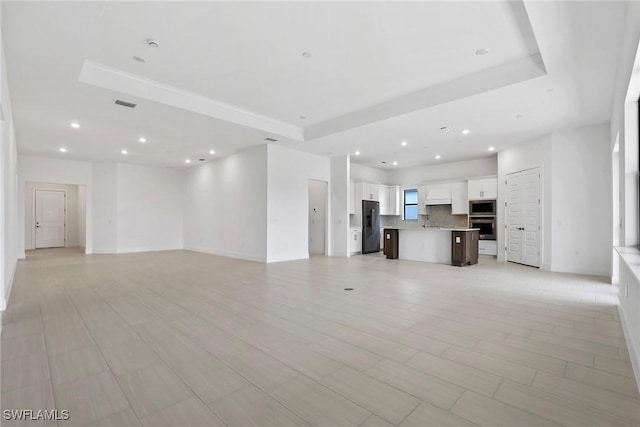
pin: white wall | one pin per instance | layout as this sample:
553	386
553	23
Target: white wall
339	205
288	177
576	183
410	177
105	208
10	234
149	208
128	207
82	216
368	174
535	153
580	201
72	212
59	171
225	206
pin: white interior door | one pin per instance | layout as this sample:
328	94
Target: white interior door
514	218
317	216
523	217
50	218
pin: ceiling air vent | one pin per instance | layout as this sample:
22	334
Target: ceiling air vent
270	139
125	103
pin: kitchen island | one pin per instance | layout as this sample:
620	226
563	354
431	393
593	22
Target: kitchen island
426	244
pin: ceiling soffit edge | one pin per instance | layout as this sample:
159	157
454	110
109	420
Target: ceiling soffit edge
111	78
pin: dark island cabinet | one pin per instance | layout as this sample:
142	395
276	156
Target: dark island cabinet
464	247
390	239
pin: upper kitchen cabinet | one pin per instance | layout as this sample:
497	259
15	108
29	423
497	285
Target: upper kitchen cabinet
459	199
352	196
369	191
422	197
389	197
481	189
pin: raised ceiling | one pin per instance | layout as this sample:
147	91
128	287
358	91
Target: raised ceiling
328	78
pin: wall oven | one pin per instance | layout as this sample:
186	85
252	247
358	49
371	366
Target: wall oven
487	226
482	207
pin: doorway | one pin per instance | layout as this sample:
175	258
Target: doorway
318	198
523	225
50	218
55	215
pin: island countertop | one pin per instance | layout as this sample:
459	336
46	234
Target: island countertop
426	244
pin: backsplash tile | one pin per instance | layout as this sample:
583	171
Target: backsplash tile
438	216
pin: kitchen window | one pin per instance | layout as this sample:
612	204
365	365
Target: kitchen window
411	205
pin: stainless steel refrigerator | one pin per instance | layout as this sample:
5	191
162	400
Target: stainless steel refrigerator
370	226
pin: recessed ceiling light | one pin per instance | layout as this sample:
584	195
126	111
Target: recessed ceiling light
187	161
465	131
483	51
152	43
438	156
357	153
62	150
444	129
403	143
139	59
124	151
519	116
212	152
75	125
395	163
307	55
492	148
142	139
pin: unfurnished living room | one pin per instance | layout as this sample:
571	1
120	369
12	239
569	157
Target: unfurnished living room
319	213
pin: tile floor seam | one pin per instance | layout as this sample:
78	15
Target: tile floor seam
561	398
53	394
115	378
409	414
339	394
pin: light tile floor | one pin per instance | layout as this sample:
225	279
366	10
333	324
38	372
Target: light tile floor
186	339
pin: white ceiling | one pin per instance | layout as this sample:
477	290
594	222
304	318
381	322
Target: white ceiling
226	75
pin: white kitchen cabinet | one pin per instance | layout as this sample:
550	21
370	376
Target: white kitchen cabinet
459	199
352	196
487	247
394	199
482	189
355	241
369	191
383	198
389	198
422	195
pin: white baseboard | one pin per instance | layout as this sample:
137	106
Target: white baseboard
147	249
227	254
294	258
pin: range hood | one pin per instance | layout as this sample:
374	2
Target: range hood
438	196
